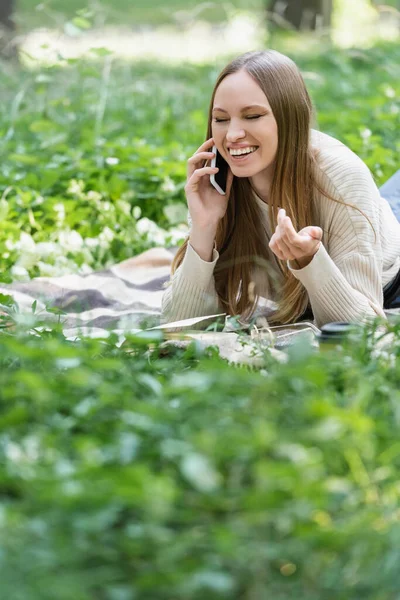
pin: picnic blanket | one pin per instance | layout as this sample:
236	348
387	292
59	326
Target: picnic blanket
125	296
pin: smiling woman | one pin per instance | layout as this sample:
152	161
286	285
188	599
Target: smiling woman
256	119
302	222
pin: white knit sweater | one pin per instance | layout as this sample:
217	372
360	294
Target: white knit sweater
345	278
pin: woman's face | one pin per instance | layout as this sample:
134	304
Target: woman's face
236	125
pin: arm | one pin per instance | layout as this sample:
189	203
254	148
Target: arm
349	290
191	290
344	278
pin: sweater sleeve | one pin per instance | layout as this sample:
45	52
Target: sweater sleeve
191	290
349	290
344	278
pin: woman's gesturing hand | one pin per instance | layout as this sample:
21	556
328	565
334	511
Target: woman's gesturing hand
299	247
206	205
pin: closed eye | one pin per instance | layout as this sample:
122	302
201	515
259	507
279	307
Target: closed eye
249	117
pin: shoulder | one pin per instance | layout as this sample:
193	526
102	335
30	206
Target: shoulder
340	175
340	168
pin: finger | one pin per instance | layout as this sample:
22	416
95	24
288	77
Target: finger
316	233
198	174
285	249
205	145
307	246
275	249
198	158
289	233
311	231
285	222
312	246
281	215
296	240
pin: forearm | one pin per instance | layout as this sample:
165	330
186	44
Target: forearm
349	293
191	291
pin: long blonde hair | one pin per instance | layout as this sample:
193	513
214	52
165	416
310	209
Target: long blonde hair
240	237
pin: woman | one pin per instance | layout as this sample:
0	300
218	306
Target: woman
302	222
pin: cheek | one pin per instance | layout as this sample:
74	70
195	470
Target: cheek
218	137
274	136
271	138
216	132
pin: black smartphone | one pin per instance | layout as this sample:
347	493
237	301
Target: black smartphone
218	180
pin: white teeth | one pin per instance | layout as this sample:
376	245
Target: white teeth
247	150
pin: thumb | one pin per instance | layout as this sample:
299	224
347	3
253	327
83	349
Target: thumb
316	232
313	232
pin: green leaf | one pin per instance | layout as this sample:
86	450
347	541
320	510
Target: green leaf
81	23
6	300
42	126
24	158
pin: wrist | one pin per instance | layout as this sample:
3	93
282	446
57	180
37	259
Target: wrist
208	230
300	263
304	261
202	242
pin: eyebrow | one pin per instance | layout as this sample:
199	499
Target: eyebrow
243	109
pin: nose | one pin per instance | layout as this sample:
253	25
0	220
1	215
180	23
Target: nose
234	132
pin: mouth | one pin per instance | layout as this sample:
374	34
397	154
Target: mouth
242	157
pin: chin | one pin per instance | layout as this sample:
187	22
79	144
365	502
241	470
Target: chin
245	172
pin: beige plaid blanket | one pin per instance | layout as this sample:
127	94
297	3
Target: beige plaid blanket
127	297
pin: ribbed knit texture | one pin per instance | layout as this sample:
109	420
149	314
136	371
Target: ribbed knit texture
346	276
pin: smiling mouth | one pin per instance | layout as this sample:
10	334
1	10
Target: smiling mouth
242	157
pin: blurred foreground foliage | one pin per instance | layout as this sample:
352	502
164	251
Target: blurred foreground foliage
125	475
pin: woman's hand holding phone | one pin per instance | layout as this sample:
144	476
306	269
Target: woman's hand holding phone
206	205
